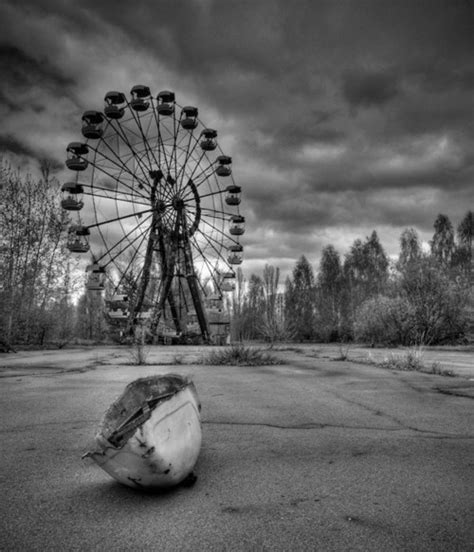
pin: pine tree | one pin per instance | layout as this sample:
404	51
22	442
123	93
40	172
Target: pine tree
329	287
300	308
365	275
442	244
410	249
254	308
465	235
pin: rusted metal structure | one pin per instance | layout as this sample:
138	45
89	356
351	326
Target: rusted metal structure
156	203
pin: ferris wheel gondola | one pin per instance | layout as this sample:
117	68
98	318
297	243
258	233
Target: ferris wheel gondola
155	197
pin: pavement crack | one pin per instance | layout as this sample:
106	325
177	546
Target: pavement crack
312	426
398	422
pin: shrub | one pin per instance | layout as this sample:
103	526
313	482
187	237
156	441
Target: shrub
438	302
413	361
386	320
239	355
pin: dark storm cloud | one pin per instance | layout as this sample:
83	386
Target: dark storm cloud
369	89
20	151
340	117
19	69
10	144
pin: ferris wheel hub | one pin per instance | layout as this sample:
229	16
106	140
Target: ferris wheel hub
178	203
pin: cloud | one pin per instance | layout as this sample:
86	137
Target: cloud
369	89
340	117
10	144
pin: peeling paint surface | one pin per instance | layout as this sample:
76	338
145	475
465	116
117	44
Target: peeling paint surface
150	437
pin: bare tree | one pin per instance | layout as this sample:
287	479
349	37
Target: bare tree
34	257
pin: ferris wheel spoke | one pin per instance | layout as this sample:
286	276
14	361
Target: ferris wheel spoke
128	197
205	177
117	162
135	155
97	224
162	144
167	194
212	242
148	151
143	232
195	177
119	158
136	250
211	194
215	213
173	150
159	137
127	276
190	217
210	268
206	172
114	177
210	239
127	128
186	155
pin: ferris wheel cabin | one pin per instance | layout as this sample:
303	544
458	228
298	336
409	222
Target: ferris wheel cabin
237	225
118	307
233	194
76	152
165	105
140	97
71	196
92	125
235	256
95	277
224	168
77	239
114	105
228	281
208	142
189	117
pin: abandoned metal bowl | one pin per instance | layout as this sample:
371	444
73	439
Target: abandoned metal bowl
150	437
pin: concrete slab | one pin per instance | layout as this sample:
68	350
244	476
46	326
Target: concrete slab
312	454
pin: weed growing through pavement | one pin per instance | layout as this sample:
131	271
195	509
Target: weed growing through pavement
411	361
239	355
138	353
343	351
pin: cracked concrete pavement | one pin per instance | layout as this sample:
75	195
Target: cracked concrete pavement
311	454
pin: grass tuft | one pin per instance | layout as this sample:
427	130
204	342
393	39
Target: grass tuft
138	354
239	355
412	361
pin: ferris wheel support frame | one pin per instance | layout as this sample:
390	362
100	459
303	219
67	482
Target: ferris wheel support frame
146	164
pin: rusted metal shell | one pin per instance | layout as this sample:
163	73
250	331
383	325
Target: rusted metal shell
150	437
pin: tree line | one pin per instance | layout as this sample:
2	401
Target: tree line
422	297
39	277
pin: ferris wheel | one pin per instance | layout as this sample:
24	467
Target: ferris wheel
157	206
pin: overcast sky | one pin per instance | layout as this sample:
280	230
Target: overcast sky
341	116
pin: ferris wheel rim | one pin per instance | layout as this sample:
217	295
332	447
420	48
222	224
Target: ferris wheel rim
185	202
